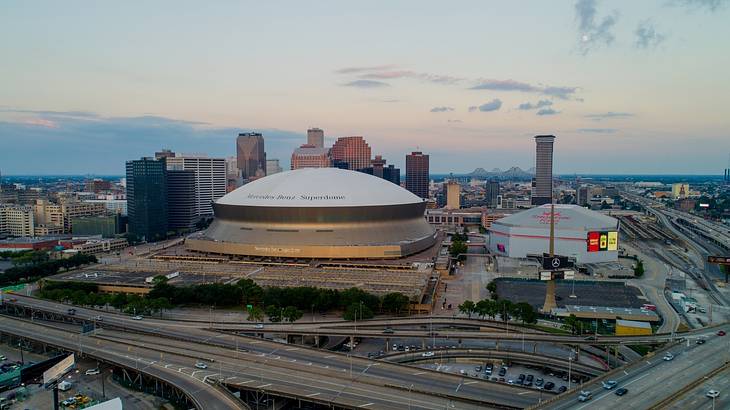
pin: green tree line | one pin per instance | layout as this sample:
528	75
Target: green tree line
38	267
506	309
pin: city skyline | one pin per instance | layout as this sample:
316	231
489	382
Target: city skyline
624	86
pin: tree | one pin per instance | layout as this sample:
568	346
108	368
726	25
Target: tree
484	307
274	313
525	312
250	292
467	307
292	314
571	323
358	311
492	288
255	314
639	268
458	249
505	308
395	302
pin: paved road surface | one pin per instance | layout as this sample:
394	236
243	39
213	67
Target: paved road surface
696	399
655	379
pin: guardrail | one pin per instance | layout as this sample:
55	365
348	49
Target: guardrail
679	393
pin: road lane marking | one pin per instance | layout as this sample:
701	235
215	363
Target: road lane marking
418	373
313	394
291	349
471	382
648	362
626	373
246	382
365	405
263	385
457	388
255	342
330	356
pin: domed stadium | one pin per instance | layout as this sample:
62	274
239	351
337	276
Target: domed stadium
317	213
585	235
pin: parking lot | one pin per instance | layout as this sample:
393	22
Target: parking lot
588	293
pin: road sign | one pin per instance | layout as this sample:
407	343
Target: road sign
57	371
719	260
556	262
569	274
546	275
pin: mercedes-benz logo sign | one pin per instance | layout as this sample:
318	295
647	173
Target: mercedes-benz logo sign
556	262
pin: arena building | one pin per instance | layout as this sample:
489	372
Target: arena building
585	235
317	213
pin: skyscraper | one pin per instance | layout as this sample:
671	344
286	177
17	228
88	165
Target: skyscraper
417	173
272	166
210	179
250	153
315	137
378	164
353	150
309	156
491	193
542	184
147	198
392	174
181	199
453	195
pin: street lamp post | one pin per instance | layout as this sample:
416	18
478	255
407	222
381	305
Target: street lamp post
570	367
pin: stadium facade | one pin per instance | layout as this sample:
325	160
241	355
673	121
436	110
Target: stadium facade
585	235
317	213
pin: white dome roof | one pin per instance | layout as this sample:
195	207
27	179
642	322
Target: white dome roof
319	187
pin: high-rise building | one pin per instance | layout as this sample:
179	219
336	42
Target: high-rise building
309	156
16	220
147	198
315	137
61	215
453	195
417	173
164	153
108	226
392	174
250	154
272	167
182	201
491	193
233	180
378	165
542	185
582	195
353	150
210	179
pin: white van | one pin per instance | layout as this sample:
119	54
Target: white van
64	385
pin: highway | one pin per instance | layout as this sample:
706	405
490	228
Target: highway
283	361
697	399
202	394
652	380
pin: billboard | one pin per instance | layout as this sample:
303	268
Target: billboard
602	241
501	248
58	370
546	275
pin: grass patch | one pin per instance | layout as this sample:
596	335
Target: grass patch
548	329
641	349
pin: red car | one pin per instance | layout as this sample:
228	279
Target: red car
721	333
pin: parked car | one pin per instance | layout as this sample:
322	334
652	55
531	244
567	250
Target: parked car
562	389
92	372
549	386
539	382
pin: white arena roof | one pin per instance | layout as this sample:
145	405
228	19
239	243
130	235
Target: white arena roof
568	217
319	187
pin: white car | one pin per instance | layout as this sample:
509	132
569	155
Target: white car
668	357
92	372
259	326
713	394
201	365
609	384
138	317
427	354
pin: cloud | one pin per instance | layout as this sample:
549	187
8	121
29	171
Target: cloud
598	130
93	143
707	5
366	84
511	85
609	115
647	36
592	30
394	74
441	109
355	70
547	111
531	106
493	105
457	121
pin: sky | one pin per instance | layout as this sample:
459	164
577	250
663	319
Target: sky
626	86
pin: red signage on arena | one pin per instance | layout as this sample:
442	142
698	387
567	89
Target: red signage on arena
594	241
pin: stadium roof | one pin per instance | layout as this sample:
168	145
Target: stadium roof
319	187
566	217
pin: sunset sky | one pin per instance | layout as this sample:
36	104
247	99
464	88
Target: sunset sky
626	86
